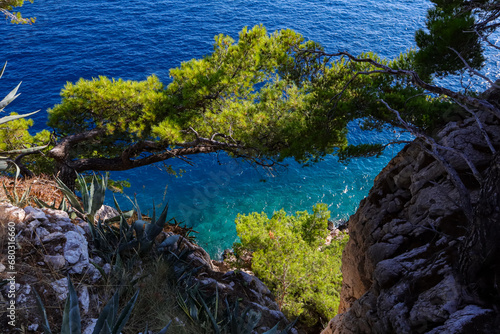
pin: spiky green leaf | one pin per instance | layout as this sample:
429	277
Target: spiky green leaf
41	308
125	314
71	318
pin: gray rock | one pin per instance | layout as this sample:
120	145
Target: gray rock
10	213
84	298
469	315
107	268
41	232
60	287
54	215
33	327
33	225
106	212
400	271
54	236
89	329
76	252
93	275
55	261
34	213
23	293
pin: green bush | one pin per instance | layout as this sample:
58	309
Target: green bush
290	256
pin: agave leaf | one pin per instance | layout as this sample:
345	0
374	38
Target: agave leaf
154	212
91	198
182	304
41	203
3	69
71	318
139	226
107	316
10	97
117	206
252	322
124	227
207	310
138	208
84	192
26	150
126	214
193	311
63	205
25	195
156	227
6	119
99	268
234	316
41	308
73	200
273	330
123	318
11	199
164	329
285	330
97	192
289	327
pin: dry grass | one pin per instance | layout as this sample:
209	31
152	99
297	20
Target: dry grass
42	187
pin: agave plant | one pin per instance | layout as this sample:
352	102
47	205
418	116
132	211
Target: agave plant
4	160
109	321
92	197
204	311
110	240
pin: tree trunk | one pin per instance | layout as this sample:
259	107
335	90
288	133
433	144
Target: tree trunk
67	175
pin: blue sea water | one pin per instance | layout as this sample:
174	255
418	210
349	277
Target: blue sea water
75	39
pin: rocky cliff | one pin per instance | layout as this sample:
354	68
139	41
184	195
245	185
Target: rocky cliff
415	263
41	247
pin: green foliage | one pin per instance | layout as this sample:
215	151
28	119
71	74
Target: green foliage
449	26
109	321
289	255
206	312
126	109
92	198
110	240
263	97
6	6
14	136
247	93
362	150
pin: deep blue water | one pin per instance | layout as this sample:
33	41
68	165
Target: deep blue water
133	39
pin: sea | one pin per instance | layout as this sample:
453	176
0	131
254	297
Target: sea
133	39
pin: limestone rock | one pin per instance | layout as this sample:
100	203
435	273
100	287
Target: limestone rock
34	213
106	212
55	261
60	288
76	252
10	213
401	267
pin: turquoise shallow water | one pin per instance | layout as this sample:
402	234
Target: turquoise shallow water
134	39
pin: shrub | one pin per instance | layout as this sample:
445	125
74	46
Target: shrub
291	257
